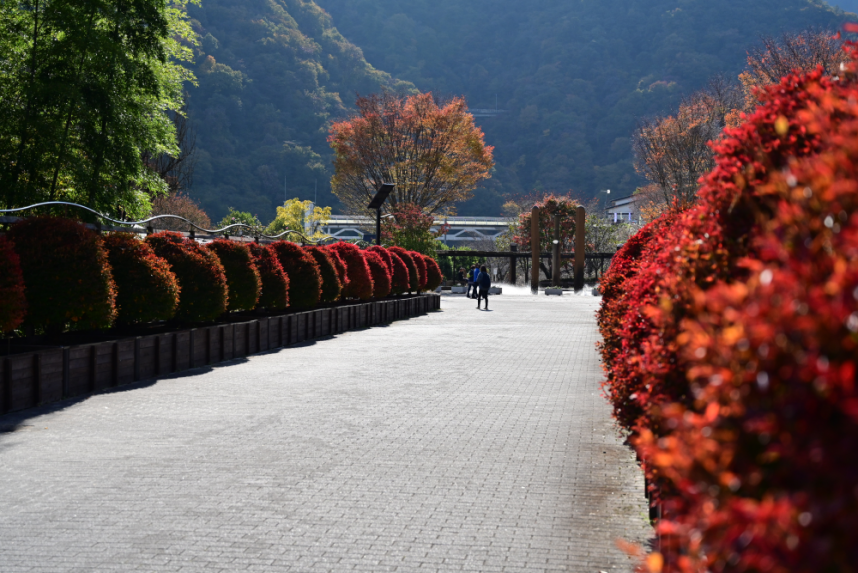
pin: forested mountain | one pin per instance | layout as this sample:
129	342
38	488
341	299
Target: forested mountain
272	73
848	5
573	75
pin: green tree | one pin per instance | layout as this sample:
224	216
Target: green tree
85	91
235	217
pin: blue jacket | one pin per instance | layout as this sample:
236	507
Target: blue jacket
472	275
484	280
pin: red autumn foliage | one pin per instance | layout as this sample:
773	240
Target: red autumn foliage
275	283
434	276
146	287
199	272
331	285
13	302
380	274
342	272
414	278
739	345
421	269
398	270
242	276
360	277
305	279
66	274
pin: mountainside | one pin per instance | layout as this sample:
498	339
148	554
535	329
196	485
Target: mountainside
272	73
571	75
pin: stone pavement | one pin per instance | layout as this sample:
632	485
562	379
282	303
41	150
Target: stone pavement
458	441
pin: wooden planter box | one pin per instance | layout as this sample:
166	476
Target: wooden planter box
34	378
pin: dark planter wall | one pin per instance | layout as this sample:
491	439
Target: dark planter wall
35	378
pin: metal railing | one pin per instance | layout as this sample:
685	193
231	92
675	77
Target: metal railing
150	229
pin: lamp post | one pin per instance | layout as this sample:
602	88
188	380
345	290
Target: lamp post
380	197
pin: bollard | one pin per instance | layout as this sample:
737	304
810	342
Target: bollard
580	217
534	249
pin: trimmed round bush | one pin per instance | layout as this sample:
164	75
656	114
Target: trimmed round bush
734	356
331	285
205	294
421	268
384	254
434	276
398	271
305	279
342	272
360	277
146	287
13	301
275	283
66	274
242	276
413	271
380	274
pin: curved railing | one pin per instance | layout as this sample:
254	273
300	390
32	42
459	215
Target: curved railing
304	238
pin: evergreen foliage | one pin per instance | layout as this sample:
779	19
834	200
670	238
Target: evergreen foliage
272	74
573	77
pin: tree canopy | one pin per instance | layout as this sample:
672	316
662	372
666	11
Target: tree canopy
433	154
85	89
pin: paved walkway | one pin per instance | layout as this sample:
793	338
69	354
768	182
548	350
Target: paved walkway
459	441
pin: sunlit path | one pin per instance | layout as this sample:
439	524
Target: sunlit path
459	441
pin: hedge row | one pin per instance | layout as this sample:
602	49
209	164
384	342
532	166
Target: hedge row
59	273
731	344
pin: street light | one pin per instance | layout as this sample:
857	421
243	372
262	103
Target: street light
380	197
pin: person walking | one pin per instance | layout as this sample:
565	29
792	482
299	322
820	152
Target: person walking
472	279
484	281
460	277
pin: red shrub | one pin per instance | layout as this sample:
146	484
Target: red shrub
413	272
275	283
398	271
13	302
380	274
66	274
360	278
740	345
331	285
305	279
242	276
342	272
146	288
204	294
434	276
421	268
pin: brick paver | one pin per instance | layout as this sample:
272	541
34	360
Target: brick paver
458	441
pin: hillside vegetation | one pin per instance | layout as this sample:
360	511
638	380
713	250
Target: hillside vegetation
573	75
272	74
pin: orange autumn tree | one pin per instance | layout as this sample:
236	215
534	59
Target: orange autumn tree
434	154
673	152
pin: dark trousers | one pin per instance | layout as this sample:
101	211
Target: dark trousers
470	286
484	294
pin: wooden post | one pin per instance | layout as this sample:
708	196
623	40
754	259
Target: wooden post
580	218
512	263
534	249
555	252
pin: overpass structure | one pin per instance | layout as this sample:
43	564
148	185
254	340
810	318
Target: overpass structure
461	231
